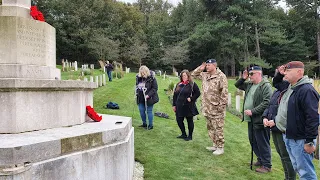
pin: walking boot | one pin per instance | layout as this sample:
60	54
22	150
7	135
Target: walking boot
219	151
263	169
143	125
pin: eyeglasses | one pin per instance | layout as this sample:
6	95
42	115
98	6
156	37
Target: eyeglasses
251	73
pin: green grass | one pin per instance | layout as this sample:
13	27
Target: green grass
166	157
74	75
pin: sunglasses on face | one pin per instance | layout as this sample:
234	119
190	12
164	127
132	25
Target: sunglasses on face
251	73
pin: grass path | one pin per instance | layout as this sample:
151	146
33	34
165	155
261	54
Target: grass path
166	157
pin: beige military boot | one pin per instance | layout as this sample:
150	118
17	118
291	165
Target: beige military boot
213	148
219	151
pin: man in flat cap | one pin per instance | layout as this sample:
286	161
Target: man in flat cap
258	93
214	101
298	119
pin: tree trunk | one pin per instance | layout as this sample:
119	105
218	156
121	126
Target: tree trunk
246	48
225	67
233	66
257	40
318	48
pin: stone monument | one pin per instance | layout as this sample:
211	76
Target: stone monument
44	130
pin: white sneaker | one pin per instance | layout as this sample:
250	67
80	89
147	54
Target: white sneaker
219	151
213	148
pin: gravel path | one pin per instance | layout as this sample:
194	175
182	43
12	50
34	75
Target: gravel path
138	171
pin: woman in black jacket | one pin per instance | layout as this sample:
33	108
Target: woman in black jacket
184	103
147	96
268	120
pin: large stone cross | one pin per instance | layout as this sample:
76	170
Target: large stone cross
19	3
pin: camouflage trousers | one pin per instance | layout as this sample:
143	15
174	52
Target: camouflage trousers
215	126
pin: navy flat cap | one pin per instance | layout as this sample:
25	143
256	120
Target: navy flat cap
257	68
211	61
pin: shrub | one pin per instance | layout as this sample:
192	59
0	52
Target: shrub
118	74
171	86
87	72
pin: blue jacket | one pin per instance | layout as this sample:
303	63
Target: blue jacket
271	112
303	116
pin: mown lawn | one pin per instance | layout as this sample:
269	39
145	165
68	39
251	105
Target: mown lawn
166	157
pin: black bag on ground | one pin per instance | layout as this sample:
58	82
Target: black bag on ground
112	105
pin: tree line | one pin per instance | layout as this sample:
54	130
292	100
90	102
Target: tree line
238	33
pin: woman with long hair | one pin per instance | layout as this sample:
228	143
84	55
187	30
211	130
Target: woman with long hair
147	96
184	103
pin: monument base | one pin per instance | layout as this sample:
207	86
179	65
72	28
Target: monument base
28	105
94	150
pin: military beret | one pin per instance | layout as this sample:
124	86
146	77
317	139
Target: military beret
211	61
294	64
256	68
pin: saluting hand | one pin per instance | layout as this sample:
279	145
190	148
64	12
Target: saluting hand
245	74
189	99
174	108
203	66
281	70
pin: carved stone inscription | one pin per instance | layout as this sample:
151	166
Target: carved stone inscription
35	45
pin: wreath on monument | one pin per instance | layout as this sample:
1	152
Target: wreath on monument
92	114
36	14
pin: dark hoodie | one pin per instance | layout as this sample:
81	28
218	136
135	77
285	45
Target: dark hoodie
272	110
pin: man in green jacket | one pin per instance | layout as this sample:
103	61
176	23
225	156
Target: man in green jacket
258	93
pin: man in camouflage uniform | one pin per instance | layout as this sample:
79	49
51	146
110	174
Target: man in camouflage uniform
214	101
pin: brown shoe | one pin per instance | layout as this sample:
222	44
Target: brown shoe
256	164
263	169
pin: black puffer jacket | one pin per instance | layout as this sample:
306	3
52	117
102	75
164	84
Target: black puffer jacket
271	112
152	88
184	108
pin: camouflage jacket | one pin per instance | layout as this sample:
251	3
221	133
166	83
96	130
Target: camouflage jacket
215	91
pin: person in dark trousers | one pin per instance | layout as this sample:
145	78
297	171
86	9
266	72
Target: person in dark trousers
269	121
298	119
184	103
109	69
258	92
146	94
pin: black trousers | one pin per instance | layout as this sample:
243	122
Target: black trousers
260	143
182	127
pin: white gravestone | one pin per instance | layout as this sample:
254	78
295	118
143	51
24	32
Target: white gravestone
76	66
100	80
97	81
229	100
238	103
91	78
104	79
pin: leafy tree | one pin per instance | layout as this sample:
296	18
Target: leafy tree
175	55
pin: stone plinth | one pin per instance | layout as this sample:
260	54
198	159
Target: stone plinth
97	151
29	105
27	42
19	3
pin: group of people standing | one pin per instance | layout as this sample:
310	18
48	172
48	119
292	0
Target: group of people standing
290	112
186	93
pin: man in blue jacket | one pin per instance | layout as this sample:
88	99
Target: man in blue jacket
298	119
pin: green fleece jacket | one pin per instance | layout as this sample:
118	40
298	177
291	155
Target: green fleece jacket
261	99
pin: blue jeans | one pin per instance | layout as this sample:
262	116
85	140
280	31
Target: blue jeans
301	161
109	75
142	109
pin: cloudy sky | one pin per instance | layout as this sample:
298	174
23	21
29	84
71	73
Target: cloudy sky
175	2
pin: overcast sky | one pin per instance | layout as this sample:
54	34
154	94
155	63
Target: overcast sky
175	2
